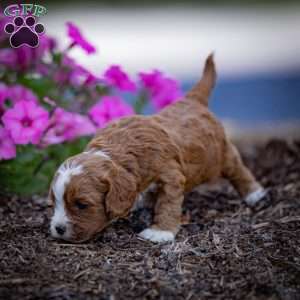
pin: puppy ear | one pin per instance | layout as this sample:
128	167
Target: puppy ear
121	194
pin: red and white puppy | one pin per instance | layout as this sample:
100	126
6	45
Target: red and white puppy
175	150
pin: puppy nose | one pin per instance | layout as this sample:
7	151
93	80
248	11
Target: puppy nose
60	229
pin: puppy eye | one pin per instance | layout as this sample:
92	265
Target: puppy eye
80	205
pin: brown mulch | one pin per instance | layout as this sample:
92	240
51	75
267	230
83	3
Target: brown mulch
227	251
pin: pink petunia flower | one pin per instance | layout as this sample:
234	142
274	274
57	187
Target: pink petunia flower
66	126
17	59
77	38
73	73
115	76
8	57
109	108
3	21
163	90
62	75
24	57
7	146
169	94
26	122
46	44
10	95
81	76
18	92
3	97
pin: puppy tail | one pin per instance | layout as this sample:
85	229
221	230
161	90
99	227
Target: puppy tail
201	91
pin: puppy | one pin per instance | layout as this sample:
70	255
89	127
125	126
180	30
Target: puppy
173	151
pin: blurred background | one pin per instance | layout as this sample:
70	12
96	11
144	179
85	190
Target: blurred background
256	46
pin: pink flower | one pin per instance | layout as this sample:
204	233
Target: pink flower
163	90
46	44
8	57
77	38
115	76
73	73
7	147
151	80
43	69
62	75
168	94
18	92
79	75
66	126
24	57
108	109
3	97
26	122
83	125
17	59
12	94
3	21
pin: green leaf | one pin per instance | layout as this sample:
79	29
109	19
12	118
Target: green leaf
141	101
32	170
57	57
41	86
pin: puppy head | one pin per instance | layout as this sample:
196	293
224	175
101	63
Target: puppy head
89	191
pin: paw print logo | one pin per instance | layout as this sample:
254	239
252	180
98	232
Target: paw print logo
24	32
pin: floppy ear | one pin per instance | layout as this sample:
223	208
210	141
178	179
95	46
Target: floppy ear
121	194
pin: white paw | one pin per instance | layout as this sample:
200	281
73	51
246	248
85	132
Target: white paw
254	197
157	236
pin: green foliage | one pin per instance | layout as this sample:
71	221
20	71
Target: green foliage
41	85
32	170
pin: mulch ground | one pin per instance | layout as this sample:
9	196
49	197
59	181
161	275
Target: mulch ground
227	251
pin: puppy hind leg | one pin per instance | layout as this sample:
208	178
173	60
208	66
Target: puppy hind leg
168	208
241	177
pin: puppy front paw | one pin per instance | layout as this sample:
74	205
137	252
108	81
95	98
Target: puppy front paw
254	197
157	236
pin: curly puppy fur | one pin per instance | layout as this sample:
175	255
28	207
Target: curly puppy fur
177	149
